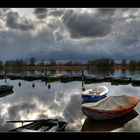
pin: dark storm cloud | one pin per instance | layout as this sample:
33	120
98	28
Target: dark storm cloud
130	36
13	21
58	36
82	34
40	12
105	11
88	24
55	12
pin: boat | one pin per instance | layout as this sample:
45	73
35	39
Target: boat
135	81
91	125
3	94
42	125
110	108
54	78
5	88
94	94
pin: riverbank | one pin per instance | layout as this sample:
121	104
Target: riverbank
62	67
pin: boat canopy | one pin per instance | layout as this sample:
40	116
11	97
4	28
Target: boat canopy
113	103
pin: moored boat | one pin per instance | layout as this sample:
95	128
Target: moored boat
5	88
110	108
91	125
43	125
135	81
6	93
55	77
94	94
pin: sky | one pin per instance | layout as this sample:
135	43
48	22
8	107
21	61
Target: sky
69	33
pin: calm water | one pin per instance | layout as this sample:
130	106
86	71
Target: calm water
63	101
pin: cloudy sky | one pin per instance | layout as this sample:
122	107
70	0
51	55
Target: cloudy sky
69	33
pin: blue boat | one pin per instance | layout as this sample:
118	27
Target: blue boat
94	94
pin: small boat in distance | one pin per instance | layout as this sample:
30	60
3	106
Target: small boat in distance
94	94
43	125
54	77
110	108
6	93
5	88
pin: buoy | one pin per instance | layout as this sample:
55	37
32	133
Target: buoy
49	86
83	89
19	84
33	85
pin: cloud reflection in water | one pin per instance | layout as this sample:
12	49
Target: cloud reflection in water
62	101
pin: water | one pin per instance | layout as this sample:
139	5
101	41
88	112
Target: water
62	101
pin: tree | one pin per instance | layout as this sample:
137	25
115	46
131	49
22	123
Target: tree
42	62
123	63
32	61
104	62
52	62
138	63
1	64
69	63
132	64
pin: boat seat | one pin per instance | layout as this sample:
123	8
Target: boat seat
53	129
43	128
95	92
26	130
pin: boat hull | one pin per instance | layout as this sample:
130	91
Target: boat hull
110	108
92	98
104	115
95	94
49	125
5	88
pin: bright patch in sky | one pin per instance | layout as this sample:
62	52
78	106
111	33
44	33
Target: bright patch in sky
28	12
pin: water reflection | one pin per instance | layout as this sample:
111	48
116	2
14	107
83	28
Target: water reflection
131	126
62	101
94	72
101	71
107	125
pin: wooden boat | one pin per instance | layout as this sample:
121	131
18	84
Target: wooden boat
124	81
55	77
135	81
94	94
5	88
110	108
44	125
91	125
3	94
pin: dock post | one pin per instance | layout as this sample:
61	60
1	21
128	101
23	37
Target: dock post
83	80
5	75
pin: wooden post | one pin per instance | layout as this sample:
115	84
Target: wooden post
5	75
45	72
83	80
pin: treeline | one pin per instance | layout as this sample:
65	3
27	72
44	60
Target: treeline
104	62
33	62
99	63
